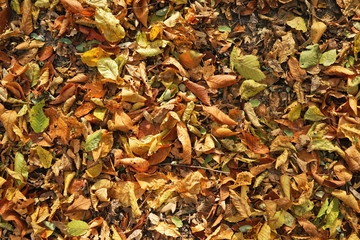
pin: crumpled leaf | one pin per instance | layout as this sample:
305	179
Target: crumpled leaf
108	68
220	81
38	120
137	163
109	25
247	66
310	57
168	230
250	88
348	199
77	227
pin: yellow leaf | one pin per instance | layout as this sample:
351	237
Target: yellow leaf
265	232
152	181
44	156
356	45
155	30
109	25
295	112
92	56
94	171
168	230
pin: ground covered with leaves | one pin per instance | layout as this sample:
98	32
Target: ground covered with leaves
181	119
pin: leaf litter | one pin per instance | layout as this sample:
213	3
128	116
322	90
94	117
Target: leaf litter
179	119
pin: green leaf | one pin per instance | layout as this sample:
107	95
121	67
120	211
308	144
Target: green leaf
177	221
310	57
356	45
44	156
15	5
92	141
33	73
247	66
332	213
255	102
20	166
23	110
322	145
77	228
297	23
108	68
38	120
328	58
300	210
323	208
250	88
245	228
149	52
314	114
224	28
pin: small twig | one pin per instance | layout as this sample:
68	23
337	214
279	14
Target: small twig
198	167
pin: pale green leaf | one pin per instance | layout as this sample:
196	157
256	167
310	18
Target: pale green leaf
44	156
314	114
108	68
304	208
20	166
149	52
297	23
23	110
322	145
92	141
33	73
224	28
15	5
42	4
38	119
77	227
332	213
328	58
247	66
250	88
310	57
177	221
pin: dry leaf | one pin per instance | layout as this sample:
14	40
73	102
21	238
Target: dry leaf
219	116
221	81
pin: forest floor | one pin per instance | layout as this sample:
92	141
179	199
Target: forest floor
181	119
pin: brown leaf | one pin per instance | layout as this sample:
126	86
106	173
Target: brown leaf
342	173
3	56
15	89
8	119
222	132
311	229
347	199
66	92
338	71
221	81
219	116
151	181
199	91
5	15
296	71
13	216
26	20
184	138
78	78
174	62
141	11
45	52
80	204
352	158
159	156
121	121
240	204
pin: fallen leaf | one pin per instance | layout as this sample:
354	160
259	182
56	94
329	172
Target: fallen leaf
199	91
109	25
219	116
221	81
26	20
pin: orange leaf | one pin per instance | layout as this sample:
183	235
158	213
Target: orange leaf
220	81
78	78
219	116
184	138
190	59
141	11
221	132
26	20
121	121
296	71
159	156
137	163
72	6
5	15
84	109
13	216
254	143
16	89
199	91
45	52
